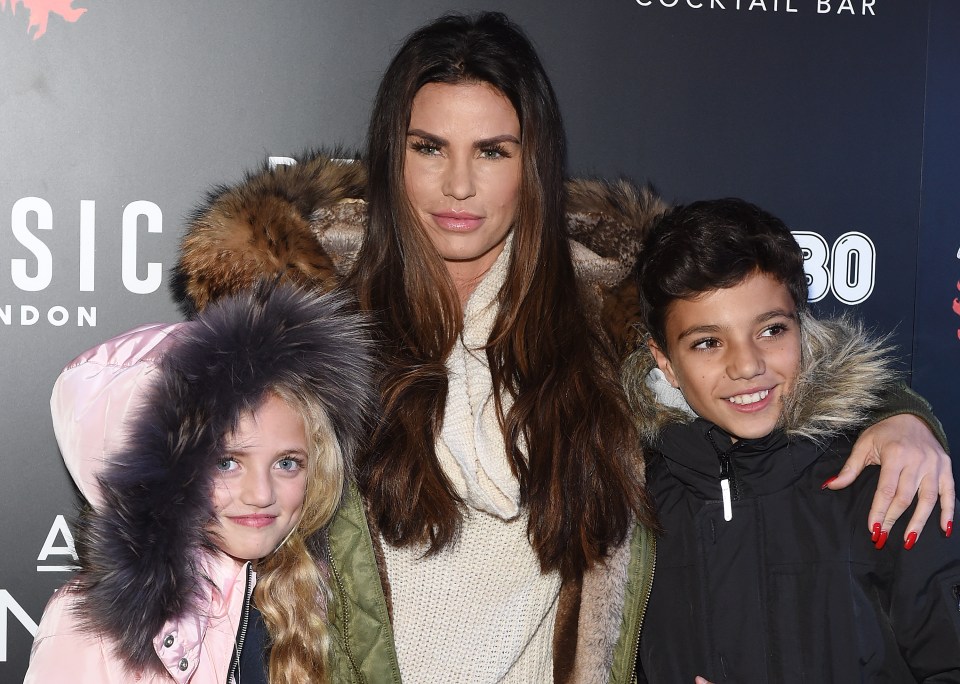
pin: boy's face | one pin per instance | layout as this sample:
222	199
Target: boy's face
734	353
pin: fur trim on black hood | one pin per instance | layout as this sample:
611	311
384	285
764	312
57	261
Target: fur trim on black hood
306	222
140	546
843	374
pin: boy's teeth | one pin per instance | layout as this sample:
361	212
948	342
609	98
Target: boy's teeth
743	399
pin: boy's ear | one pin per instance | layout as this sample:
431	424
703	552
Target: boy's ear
663	362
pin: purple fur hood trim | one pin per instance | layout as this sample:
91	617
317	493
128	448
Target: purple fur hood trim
141	420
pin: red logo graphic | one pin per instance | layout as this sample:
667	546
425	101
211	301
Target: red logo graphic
40	11
956	308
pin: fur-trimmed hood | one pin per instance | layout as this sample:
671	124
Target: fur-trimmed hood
141	421
843	373
306	222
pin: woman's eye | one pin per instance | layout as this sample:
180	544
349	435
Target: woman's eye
497	152
709	343
425	148
225	465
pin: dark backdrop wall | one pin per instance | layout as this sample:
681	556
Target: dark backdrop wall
838	115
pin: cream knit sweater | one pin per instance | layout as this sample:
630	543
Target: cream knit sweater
480	611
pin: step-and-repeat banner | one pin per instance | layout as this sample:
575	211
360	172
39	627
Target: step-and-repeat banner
838	115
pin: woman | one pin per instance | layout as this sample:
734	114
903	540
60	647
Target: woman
229	444
501	532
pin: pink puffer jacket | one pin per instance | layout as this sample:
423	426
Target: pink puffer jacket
197	649
92	401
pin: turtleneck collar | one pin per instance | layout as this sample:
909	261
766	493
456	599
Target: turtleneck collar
470	447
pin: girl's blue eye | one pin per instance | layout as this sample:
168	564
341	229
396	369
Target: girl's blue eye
290	464
226	464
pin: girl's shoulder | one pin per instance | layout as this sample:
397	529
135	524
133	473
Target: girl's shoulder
64	651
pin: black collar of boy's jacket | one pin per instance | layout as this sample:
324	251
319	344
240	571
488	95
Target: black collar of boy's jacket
692	453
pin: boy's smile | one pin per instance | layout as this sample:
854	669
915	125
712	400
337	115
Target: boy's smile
734	353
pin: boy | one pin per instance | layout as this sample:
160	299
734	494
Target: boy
761	575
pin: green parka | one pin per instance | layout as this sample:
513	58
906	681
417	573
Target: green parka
364	651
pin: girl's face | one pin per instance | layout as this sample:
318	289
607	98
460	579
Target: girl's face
260	482
462	172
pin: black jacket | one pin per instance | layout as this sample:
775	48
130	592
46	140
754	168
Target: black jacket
792	589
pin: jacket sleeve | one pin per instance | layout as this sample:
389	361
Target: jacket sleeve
625	665
362	646
901	399
62	653
925	605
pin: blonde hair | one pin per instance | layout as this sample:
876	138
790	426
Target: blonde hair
292	591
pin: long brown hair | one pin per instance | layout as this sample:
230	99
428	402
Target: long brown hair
578	478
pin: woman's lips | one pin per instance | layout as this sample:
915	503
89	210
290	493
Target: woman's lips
459	222
257	521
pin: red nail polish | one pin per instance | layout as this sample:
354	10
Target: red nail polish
911	540
949	528
882	540
827	483
876	533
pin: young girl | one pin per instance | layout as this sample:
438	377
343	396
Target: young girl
214	454
762	575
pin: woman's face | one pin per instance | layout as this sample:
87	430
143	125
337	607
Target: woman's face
462	172
261	481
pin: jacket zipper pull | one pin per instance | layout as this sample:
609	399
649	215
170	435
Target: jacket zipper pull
725	487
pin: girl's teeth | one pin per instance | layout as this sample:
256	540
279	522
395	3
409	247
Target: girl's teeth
744	399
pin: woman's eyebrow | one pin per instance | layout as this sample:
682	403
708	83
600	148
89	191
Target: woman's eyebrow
496	140
479	144
429	137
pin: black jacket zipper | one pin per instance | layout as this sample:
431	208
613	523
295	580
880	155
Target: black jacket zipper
234	674
729	487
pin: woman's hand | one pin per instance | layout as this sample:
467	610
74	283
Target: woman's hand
701	680
912	463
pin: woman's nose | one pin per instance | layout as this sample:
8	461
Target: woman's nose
458	180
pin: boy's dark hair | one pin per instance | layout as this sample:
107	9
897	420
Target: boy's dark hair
712	245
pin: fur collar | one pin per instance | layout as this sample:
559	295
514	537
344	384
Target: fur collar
142	548
306	222
844	371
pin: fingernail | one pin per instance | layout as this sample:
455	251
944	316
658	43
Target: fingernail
911	540
949	527
882	539
876	533
827	483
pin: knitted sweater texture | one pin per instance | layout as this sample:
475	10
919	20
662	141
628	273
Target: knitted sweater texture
458	616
